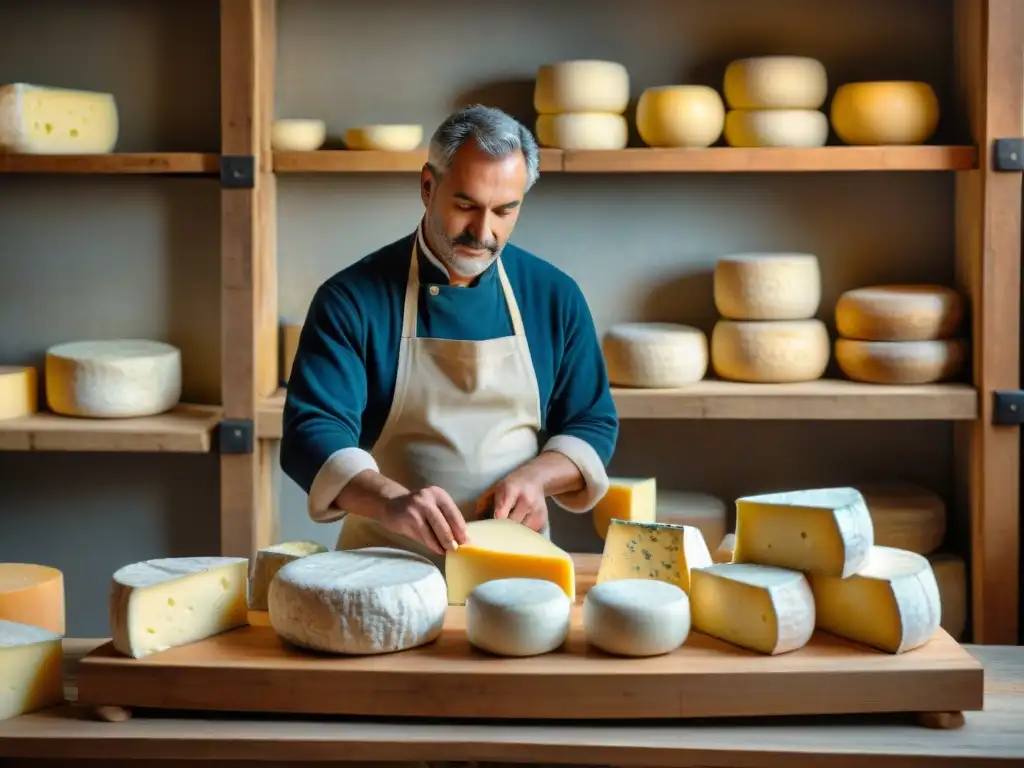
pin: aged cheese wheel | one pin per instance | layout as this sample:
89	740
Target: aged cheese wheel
776	82
906	516
19	391
32	594
899	313
297	135
385	138
584	85
874	113
951	575
582	131
680	116
773	351
655	355
776	128
703	511
767	286
900	362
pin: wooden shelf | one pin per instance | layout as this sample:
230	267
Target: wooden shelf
185	429
352	161
131	163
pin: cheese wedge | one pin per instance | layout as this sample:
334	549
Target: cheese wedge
269	561
31	674
658	551
626	499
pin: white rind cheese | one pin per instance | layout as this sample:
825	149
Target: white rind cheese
581	131
636	617
583	85
39	120
775	82
899	313
770	351
31	669
767	286
680	116
776	128
900	362
655	355
384	138
885	113
269	561
517	617
19	391
658	551
297	135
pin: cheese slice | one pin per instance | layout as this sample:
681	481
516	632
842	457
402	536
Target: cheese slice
724	552
636	617
905	516
824	530
505	549
892	604
759	607
627	499
269	561
951	576
38	120
657	551
32	594
517	617
169	602
703	511
31	669
19	391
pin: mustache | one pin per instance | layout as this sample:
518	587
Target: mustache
467	240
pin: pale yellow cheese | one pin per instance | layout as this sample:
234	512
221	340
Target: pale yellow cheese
771	351
297	135
31	669
900	362
290	333
582	85
658	551
39	120
579	131
875	113
269	561
627	499
899	313
705	512
951	576
680	116
767	286
776	128
19	391
906	516
32	594
775	82
725	550
655	355
384	138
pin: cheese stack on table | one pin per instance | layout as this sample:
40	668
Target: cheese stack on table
581	105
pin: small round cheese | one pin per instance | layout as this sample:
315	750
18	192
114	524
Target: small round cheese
297	135
772	351
680	116
582	131
951	576
767	286
517	617
32	594
875	113
363	601
704	512
19	391
636	617
384	138
899	313
776	82
584	85
655	355
776	128
906	516
900	362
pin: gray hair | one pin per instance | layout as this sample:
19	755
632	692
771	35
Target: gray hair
496	133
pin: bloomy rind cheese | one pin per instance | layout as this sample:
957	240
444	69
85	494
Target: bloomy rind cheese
885	113
31	669
680	116
770	351
658	551
776	128
899	313
767	286
905	516
775	82
582	131
19	391
951	575
269	561
636	617
627	498
654	355
384	138
34	595
900	362
582	85
517	617
297	135
707	513
40	120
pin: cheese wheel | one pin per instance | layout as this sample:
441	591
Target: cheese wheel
118	378
384	138
704	512
776	128
32	594
269	561
776	82
899	313
680	116
517	617
582	131
289	346
874	113
906	516
40	120
655	355
584	85
297	135
636	617
19	391
31	668
900	362
951	575
774	351
767	286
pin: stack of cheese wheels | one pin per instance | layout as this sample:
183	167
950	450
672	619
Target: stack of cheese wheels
768	333
874	113
19	391
680	116
899	334
581	105
776	101
655	355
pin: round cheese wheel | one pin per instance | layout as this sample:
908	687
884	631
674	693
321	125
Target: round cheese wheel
19	391
906	516
636	617
361	602
900	362
584	85
517	617
704	512
773	351
384	138
32	594
767	286
116	378
876	113
680	116
951	575
899	313
582	131
297	135
776	82
655	355
776	128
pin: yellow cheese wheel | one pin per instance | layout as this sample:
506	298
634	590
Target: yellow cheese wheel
297	135
772	351
583	85
19	391
32	594
767	286
680	116
876	113
582	131
906	516
899	313
384	138
900	362
776	128
703	511
951	576
776	82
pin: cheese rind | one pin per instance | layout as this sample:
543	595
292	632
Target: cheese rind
34	595
655	355
899	313
776	128
880	113
900	362
767	286
40	120
705	512
31	669
627	498
680	116
297	135
19	391
517	617
384	138
582	131
657	551
951	575
636	617
269	561
582	85
905	516
770	351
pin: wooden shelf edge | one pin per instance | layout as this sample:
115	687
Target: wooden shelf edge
360	161
138	163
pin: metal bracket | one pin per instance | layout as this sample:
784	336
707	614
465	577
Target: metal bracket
1008	155
1008	407
237	171
236	436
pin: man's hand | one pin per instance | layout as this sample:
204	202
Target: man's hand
428	515
519	496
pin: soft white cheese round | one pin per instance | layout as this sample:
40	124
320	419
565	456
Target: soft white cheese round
655	355
636	617
517	617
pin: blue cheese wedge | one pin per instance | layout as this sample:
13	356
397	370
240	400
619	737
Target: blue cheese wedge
658	551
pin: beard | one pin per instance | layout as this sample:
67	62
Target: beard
467	267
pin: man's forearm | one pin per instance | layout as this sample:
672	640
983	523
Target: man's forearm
556	473
368	493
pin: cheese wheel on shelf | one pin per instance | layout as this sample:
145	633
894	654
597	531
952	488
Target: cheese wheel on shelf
767	286
899	313
40	120
297	135
900	362
627	498
580	131
655	355
680	116
269	561
19	391
951	576
880	113
776	128
517	617
583	85
707	513
906	516
636	617
776	82
32	594
31	668
384	138
771	351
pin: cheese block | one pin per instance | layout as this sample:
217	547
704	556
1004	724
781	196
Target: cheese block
680	116
627	499
169	602
891	604
290	333
770	351
767	286
776	128
117	378
19	391
636	617
31	668
899	313
758	607
517	617
582	131
384	138
657	551
775	82
40	120
654	355
297	135
505	549
951	576
875	113
824	530
269	561
705	512
725	550
900	362
32	594
358	602
583	85
905	516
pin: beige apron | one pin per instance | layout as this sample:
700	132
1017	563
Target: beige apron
464	415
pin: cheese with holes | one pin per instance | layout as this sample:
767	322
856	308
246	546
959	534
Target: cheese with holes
297	135
905	516
657	551
899	313
583	85
505	549
117	378
951	576
384	138
770	351
269	561
776	128
767	286
39	120
878	113
627	499
900	362
289	345
32	594
680	116
655	355
169	602
758	607
19	391
775	82
636	617
31	669
358	602
724	552
517	617
824	530
582	131
703	511
891	604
